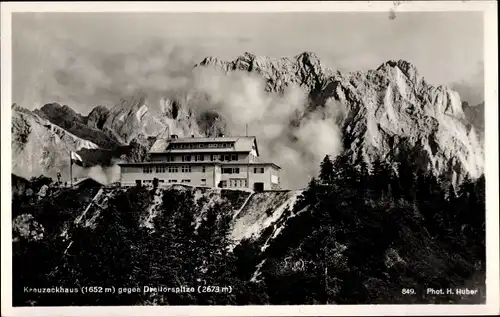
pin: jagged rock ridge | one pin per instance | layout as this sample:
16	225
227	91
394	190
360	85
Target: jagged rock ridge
383	109
86	128
304	69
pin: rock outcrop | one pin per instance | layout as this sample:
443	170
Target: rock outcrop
304	69
40	147
84	127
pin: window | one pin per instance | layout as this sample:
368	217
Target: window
227	157
199	157
238	182
258	170
223	183
172	181
186	158
170	158
203	169
173	169
231	170
186	181
161	181
186	169
161	169
147	169
202	146
234	157
212	157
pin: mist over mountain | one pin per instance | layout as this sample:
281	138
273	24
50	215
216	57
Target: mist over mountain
298	109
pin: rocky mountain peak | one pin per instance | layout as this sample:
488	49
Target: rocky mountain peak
304	69
133	102
56	110
393	68
97	117
406	67
309	58
212	61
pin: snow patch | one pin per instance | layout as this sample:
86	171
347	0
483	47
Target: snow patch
153	209
242	206
260	211
79	219
278	230
212	199
142	110
257	273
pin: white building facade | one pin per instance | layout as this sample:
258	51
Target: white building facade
224	162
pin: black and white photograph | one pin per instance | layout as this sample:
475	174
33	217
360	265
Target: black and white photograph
242	158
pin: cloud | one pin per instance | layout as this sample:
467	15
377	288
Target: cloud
471	89
241	99
84	76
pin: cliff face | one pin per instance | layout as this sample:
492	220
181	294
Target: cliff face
304	70
393	104
40	147
475	118
382	110
87	128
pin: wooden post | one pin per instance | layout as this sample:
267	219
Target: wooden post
70	170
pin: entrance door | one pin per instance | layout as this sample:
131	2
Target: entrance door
258	187
138	182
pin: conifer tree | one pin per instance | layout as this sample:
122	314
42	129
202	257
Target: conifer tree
310	195
326	170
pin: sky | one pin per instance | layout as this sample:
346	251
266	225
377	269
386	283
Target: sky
70	57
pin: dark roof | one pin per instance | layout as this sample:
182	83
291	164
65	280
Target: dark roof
241	144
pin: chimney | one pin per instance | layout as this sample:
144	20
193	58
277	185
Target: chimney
173	136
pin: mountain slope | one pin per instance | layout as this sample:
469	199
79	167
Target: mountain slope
380	110
40	147
83	127
377	112
351	240
475	116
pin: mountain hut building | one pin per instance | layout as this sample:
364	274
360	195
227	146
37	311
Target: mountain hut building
224	162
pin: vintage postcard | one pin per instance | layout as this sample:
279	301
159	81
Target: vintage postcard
244	158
